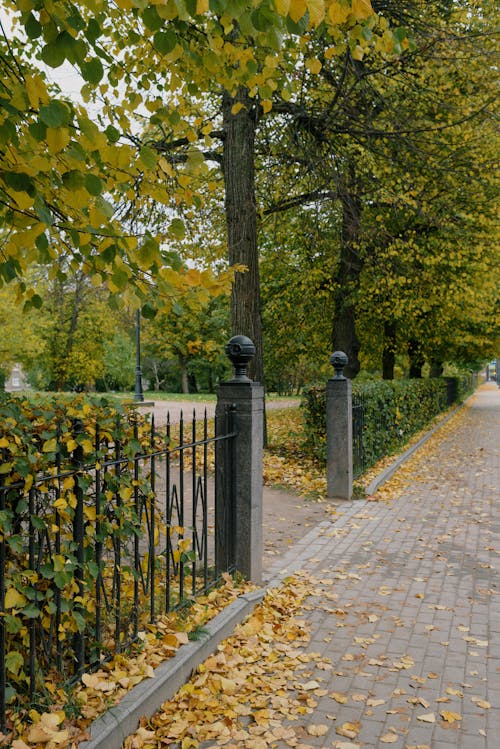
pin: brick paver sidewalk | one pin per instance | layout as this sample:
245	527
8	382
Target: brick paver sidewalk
406	601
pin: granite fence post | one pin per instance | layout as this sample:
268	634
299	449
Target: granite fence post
240	407
339	470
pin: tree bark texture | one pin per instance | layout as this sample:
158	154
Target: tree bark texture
241	221
389	351
416	359
348	275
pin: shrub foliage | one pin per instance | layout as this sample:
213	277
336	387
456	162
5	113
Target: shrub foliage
386	414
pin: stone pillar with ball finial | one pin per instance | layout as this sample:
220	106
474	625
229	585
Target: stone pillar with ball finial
238	506
339	469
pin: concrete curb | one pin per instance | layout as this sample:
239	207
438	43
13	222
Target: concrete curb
110	730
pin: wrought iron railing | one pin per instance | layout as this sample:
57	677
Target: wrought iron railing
358	422
90	553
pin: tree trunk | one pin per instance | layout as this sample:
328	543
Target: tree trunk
184	375
436	368
389	352
416	359
241	221
347	278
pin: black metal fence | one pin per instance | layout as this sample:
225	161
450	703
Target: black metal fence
358	423
92	553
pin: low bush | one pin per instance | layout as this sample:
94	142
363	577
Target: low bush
386	414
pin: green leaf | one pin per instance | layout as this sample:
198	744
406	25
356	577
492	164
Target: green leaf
165	41
31	611
148	310
112	134
148	157
18	181
191	6
299	27
93	184
7	132
42	243
13	624
80	621
36	301
172	259
9	269
149	251
53	54
55	114
76	21
62	579
177	309
14	662
93	31
218	6
16	543
43	211
104	206
32	27
177	228
151	19
93	569
38	130
73	180
93	70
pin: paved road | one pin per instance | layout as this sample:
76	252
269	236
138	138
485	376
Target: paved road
187	408
415	630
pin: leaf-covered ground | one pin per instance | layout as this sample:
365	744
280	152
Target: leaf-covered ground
65	724
272	685
264	664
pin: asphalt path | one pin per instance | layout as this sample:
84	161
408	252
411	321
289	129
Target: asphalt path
161	409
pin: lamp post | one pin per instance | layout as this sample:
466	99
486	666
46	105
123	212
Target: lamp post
139	395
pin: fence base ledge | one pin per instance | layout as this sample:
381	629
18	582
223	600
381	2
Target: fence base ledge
110	730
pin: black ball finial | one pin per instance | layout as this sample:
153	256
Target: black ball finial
339	360
240	350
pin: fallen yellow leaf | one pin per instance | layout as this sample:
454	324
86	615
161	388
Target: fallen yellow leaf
389	738
449	716
339	697
349	730
427	718
481	703
317	730
374	703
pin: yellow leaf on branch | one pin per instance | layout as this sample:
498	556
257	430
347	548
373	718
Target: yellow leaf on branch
57	139
316	10
297	9
362	9
314	66
282	7
14	599
338	12
237	107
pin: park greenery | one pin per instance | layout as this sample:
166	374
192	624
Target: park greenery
316	174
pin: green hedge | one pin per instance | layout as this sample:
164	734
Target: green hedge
389	413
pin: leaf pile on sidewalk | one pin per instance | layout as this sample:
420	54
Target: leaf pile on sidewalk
254	691
65	724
